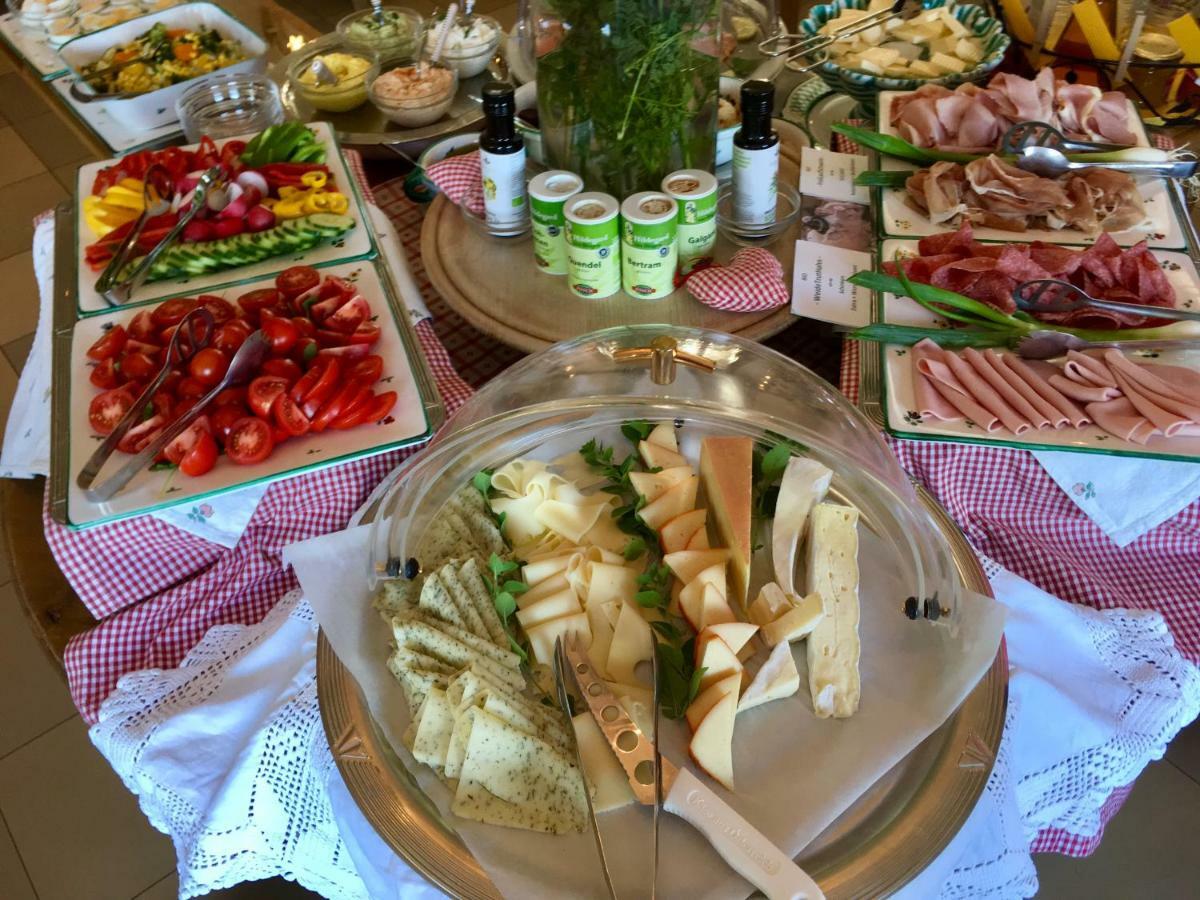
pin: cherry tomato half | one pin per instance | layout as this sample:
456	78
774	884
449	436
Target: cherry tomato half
224	417
183	443
249	441
201	458
318	382
109	344
366	334
172	311
142	327
137	437
368	369
254	302
289	417
231	335
284	368
349	316
220	308
105	375
138	365
295	281
209	366
281	333
349	394
191	388
375	408
262	393
106	410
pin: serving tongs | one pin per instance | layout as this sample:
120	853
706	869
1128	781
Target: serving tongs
193	335
657	782
1057	296
1043	134
796	46
1042	149
116	285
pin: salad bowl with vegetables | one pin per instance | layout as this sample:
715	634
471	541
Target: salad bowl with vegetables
290	198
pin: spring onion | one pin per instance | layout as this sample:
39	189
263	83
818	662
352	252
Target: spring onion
893	179
951	338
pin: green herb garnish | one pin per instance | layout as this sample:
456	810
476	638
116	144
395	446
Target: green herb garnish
504	591
678	679
769	466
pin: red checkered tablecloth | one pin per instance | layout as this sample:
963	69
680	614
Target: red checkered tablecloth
158	590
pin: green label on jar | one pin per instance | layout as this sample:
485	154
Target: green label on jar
549	239
648	257
593	259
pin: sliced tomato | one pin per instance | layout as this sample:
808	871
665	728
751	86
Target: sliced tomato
171	382
348	353
166	405
289	417
306	350
231	335
319	381
369	369
106	410
104	374
231	396
366	334
326	338
254	302
183	443
220	308
295	281
150	348
224	417
281	333
323	308
262	393
334	286
278	434
172	311
249	441
191	388
137	437
349	316
375	408
108	344
201	458
142	327
381	405
284	368
304	327
350	393
138	365
209	366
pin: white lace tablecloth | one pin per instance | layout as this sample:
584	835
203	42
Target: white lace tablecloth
227	754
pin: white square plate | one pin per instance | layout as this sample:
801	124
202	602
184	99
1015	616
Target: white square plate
357	244
152	490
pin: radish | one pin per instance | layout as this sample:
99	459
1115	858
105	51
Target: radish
260	219
198	230
223	228
251	179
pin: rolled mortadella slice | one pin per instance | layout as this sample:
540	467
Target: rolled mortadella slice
930	403
1166	414
943	380
1087	369
1120	418
1054	416
1000	382
986	396
1047	391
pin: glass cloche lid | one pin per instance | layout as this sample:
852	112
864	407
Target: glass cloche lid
704	382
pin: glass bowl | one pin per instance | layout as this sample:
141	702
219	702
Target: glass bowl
787	209
466	50
410	101
228	105
516	231
399	36
349	93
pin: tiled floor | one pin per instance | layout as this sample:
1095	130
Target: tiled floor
70	830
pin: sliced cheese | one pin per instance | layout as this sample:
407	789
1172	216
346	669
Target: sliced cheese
652	485
551	587
564	603
534	573
776	679
608	582
833	645
727	471
463	602
736	634
711	746
606	536
571	520
658	457
797	622
542	637
804	484
477	590
688	564
769	605
699	541
691	596
602	635
708	698
432	738
606	779
714	608
632	643
663	435
436	600
676	534
677	500
716	658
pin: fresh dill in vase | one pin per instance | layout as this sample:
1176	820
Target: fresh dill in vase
627	89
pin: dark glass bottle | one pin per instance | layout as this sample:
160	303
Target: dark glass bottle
755	157
502	157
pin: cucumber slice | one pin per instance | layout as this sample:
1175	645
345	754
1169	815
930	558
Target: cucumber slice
330	223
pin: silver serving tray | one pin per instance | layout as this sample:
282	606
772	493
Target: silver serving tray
879	844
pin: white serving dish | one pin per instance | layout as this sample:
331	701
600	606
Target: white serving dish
358	243
408	423
904	420
157	108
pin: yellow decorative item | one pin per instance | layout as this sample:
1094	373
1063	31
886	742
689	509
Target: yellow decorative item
1018	20
1187	35
1099	38
119	204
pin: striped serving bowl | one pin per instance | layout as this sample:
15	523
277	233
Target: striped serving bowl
865	87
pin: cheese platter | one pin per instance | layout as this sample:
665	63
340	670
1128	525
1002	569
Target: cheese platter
701	577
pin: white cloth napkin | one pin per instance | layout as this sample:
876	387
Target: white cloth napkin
1125	496
26	449
219	519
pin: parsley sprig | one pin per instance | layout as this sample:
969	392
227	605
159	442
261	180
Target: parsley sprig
616	474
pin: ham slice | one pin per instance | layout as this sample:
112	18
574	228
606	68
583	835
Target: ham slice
1003	383
1022	383
930	403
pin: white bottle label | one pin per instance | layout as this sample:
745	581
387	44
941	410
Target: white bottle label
754	174
503	177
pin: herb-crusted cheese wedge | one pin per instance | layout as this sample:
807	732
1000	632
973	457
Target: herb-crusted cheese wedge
435	599
432	738
511	778
833	645
472	580
463	602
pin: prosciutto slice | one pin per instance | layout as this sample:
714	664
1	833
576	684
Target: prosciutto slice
938	191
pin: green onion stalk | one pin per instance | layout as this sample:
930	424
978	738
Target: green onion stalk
980	325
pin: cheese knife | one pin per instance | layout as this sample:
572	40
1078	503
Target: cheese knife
738	842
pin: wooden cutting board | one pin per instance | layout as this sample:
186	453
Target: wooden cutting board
495	286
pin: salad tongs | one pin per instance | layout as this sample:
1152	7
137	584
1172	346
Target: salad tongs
794	46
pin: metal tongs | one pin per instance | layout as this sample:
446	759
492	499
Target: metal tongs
657	782
115	284
1041	148
193	335
794	46
1057	296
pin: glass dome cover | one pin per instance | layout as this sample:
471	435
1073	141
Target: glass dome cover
706	382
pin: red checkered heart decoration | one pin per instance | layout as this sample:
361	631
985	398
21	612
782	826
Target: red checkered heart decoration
458	178
751	282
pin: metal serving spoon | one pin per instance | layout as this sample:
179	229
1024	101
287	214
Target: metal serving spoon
1052	344
1050	163
1043	134
1053	295
322	72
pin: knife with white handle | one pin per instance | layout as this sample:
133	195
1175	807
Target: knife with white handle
738	842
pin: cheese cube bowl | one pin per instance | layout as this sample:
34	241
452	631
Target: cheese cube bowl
864	86
155	109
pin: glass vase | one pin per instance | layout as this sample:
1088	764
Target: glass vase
627	89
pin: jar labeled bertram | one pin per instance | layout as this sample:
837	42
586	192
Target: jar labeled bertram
648	250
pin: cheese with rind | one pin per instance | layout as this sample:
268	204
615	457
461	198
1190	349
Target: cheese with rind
708	697
677	500
727	472
678	532
797	621
711	746
778	678
833	645
804	484
632	643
